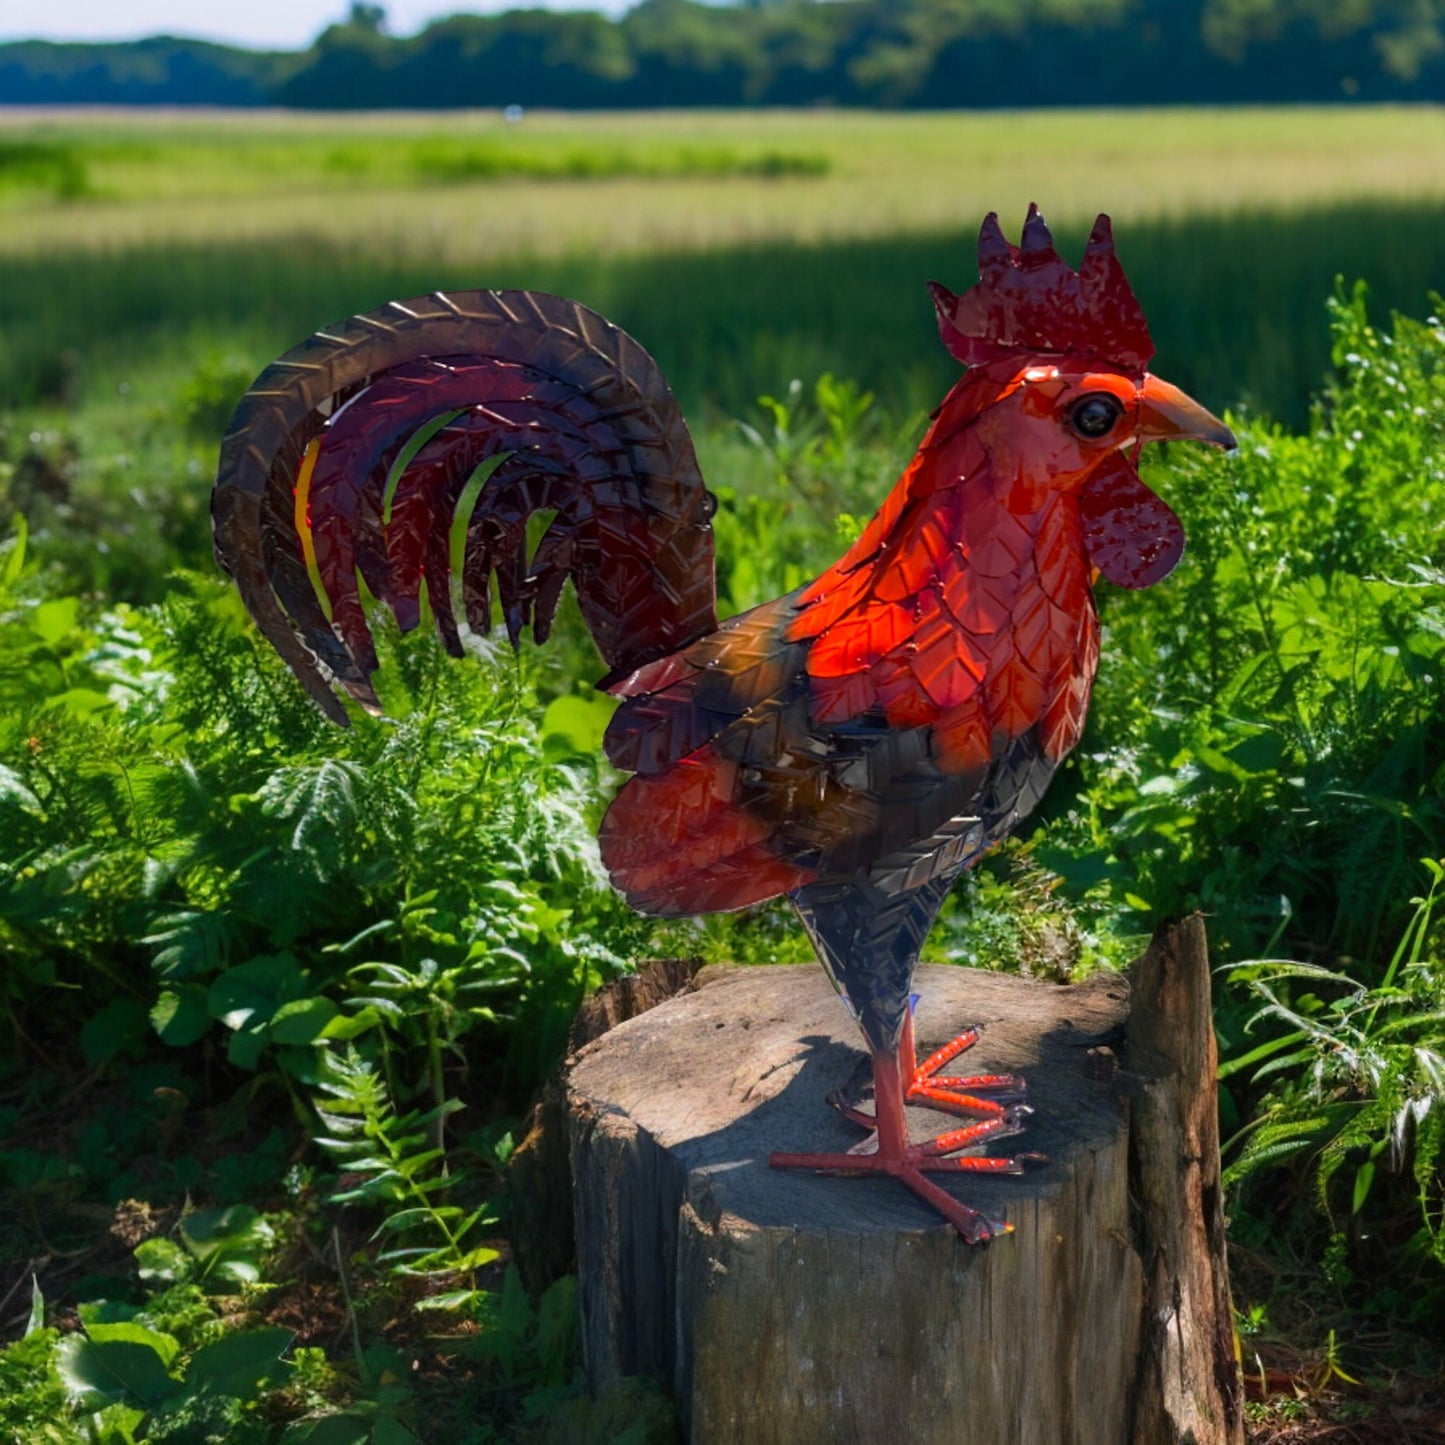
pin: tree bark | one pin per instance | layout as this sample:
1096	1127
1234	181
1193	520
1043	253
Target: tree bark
539	1180
1188	1390
786	1307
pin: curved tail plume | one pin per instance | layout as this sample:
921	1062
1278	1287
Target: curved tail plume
583	424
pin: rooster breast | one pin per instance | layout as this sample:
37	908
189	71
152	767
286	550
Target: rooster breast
895	718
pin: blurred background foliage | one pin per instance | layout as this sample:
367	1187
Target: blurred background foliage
916	53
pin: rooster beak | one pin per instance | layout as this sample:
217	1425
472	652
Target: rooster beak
1165	411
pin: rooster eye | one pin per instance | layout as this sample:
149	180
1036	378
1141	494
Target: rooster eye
1095	415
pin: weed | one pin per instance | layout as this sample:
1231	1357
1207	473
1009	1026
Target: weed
1357	1082
394	1161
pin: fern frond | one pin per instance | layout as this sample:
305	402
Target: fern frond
398	1164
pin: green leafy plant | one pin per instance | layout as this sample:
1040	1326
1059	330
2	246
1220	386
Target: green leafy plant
376	1408
824	453
186	828
32	1396
1357	1081
1264	737
168	1369
126	1371
219	1248
527	1342
205	400
391	1160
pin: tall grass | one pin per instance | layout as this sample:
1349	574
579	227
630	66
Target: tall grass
470	187
742	248
1234	303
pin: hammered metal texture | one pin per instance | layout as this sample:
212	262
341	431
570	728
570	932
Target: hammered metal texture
1029	301
590	428
853	745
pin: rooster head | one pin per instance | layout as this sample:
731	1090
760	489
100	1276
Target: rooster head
1060	395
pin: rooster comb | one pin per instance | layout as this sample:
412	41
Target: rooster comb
1028	300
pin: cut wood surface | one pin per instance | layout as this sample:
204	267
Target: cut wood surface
788	1307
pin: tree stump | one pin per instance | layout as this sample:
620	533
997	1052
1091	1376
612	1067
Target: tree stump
785	1307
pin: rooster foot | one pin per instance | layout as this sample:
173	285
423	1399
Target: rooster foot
956	1094
950	1093
888	1151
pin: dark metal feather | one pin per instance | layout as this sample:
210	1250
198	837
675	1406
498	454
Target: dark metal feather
588	428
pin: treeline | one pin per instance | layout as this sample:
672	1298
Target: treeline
159	71
889	53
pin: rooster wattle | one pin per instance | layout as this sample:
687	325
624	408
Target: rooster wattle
854	745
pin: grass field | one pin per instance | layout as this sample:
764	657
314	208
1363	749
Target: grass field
460	188
743	249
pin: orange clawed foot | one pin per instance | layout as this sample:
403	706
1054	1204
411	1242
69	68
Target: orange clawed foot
888	1151
958	1094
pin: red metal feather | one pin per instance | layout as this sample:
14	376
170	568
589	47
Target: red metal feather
855	744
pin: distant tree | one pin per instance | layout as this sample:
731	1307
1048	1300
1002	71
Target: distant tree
934	53
348	67
1405	36
162	70
368	17
685	49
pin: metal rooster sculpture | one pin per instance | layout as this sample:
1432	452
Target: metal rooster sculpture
854	745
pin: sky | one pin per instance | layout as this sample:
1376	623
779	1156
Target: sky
262	24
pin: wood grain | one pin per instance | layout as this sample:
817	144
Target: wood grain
792	1308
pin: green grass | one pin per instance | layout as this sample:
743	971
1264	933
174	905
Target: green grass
465	188
37	169
742	249
1234	303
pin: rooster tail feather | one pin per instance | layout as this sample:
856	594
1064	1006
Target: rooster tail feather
348	461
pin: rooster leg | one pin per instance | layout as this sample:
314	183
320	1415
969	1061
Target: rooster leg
957	1095
891	1153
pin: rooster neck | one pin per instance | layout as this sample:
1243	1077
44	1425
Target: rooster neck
955	509
964	606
